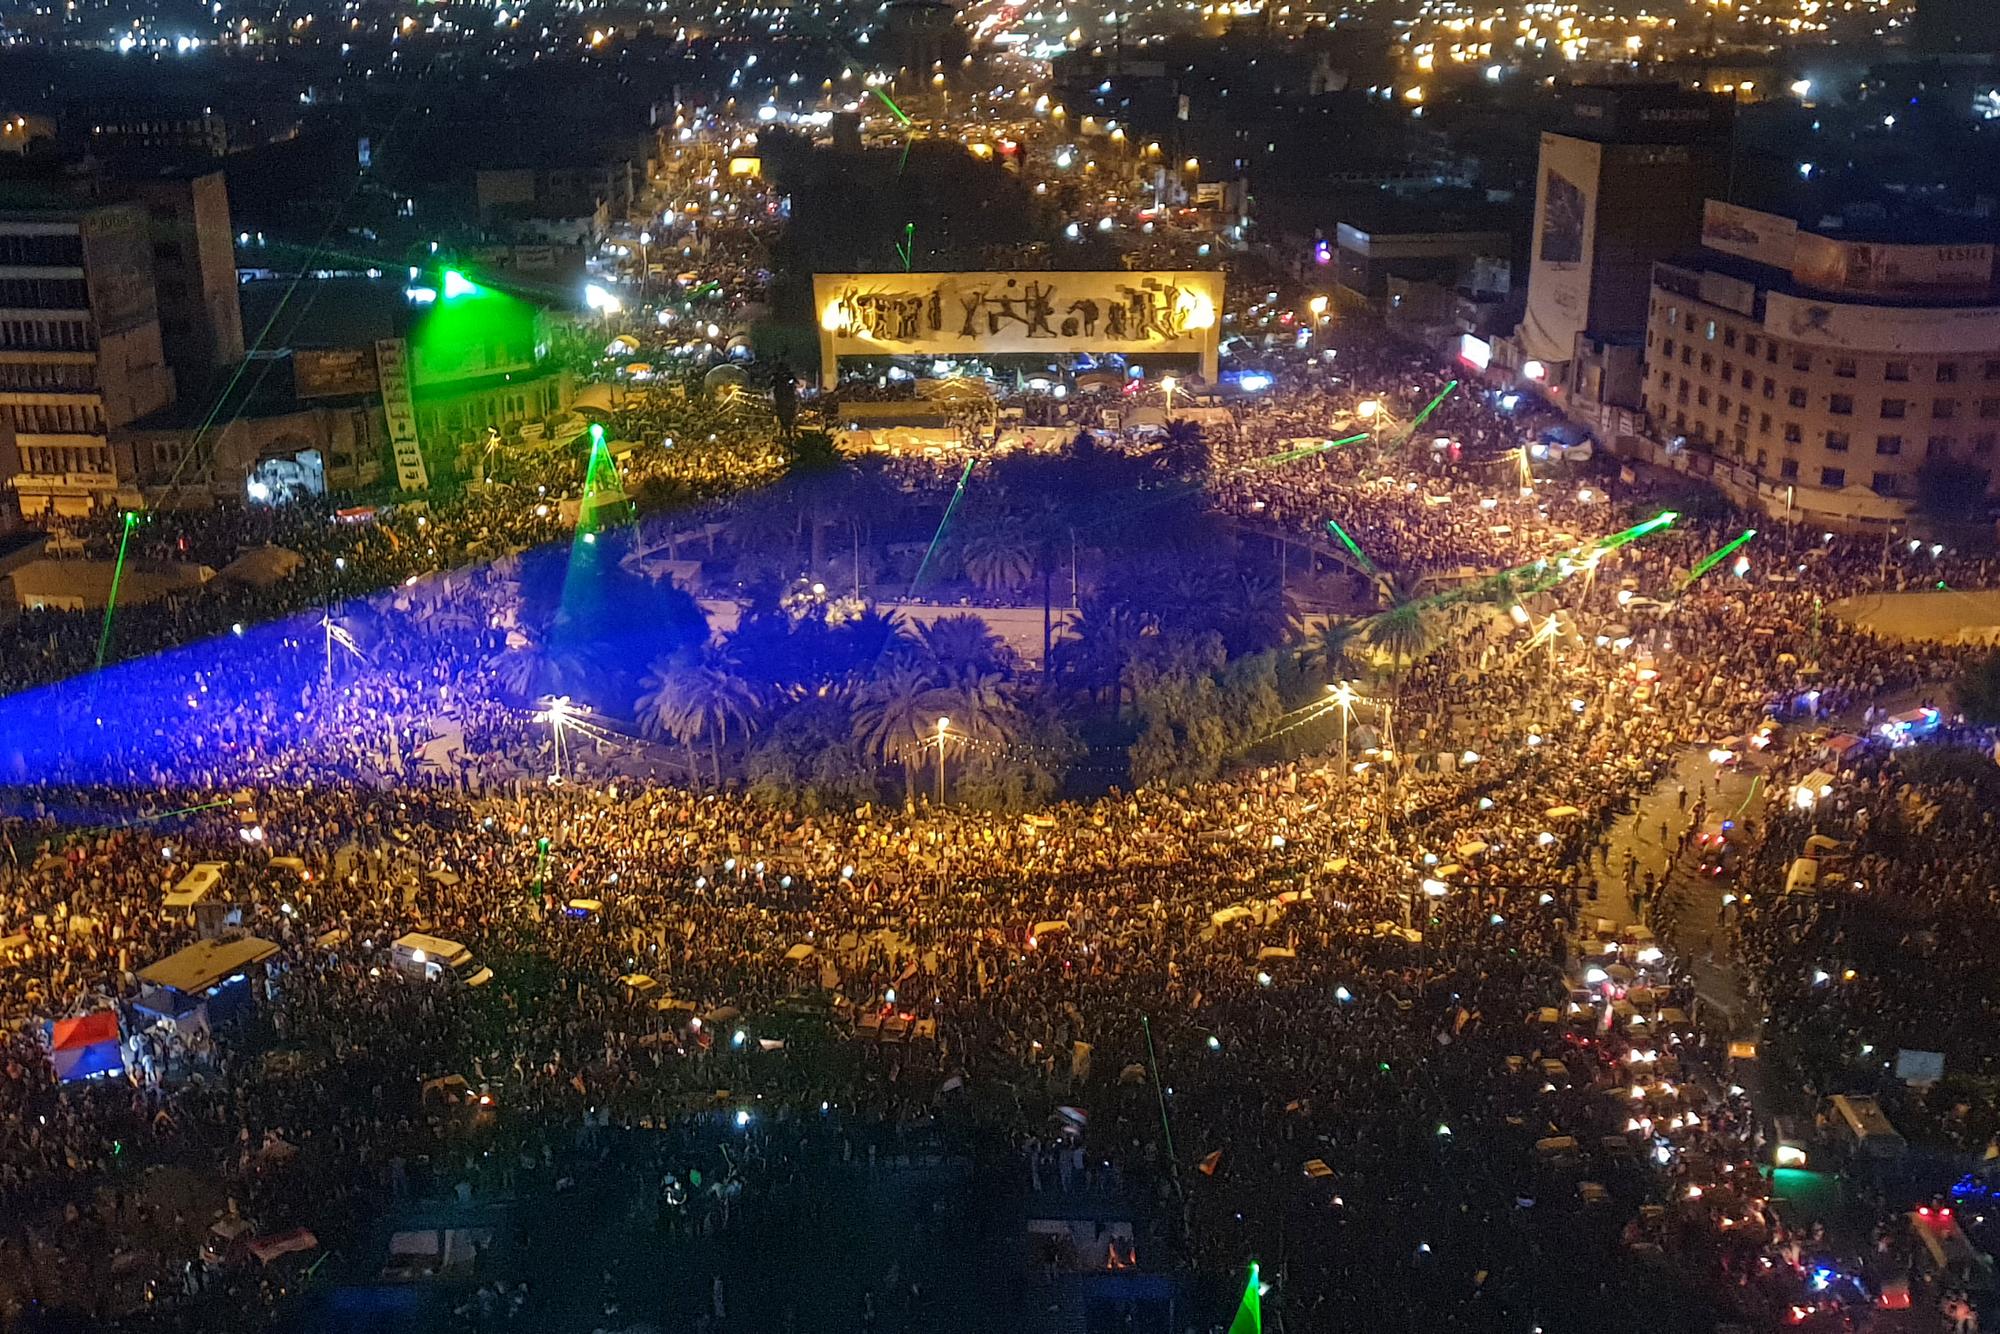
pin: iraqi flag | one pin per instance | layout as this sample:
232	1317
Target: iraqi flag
86	1046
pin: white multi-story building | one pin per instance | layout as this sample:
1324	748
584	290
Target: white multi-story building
1816	374
79	350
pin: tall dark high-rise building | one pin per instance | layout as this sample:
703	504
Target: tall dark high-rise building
194	271
79	348
1620	186
1957	28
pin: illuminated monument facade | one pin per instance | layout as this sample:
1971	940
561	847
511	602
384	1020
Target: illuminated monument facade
1007	314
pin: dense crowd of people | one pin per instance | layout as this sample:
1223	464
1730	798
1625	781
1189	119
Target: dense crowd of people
1311	961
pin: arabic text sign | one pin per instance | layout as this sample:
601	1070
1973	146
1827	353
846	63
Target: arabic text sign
944	314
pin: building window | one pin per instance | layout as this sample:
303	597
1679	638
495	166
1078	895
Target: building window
1888	444
1770	387
1793	435
1763	423
1687	356
1894	408
1937	447
1709	330
1993	370
1835	478
1729	337
1943	409
1707	364
1788	469
1840	405
1844	368
1729	372
1796	397
1667	348
1701	395
1983	443
1836	442
1801	360
1989	408
1885	484
1947	372
1896	370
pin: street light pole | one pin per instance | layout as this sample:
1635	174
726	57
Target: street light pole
1343	696
943	727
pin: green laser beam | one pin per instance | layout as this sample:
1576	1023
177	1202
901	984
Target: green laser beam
1250	1311
1429	408
894	110
1715	558
1353	547
907	247
600	459
1541	575
945	522
1308	451
117	577
1159	1091
320	246
183	811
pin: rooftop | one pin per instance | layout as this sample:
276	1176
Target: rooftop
332	312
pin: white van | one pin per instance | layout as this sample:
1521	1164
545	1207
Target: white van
196	885
1858	1122
433	958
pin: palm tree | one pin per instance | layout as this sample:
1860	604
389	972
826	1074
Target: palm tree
1257	614
982	708
963	645
518	671
1103	645
998	556
1184	453
1404	633
692	701
818	479
896	719
1397	587
1331	648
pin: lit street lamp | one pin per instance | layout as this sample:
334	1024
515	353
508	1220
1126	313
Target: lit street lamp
1370	411
558	713
943	730
1344	697
1169	383
1317	306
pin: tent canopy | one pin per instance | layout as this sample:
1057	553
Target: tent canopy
261	567
200	966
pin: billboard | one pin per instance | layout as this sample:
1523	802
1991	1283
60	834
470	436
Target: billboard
1731	229
392	363
118	256
1909	329
1565	239
985	314
333	372
1893	270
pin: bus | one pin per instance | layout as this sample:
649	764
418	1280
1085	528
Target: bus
1857	1121
1945	1255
